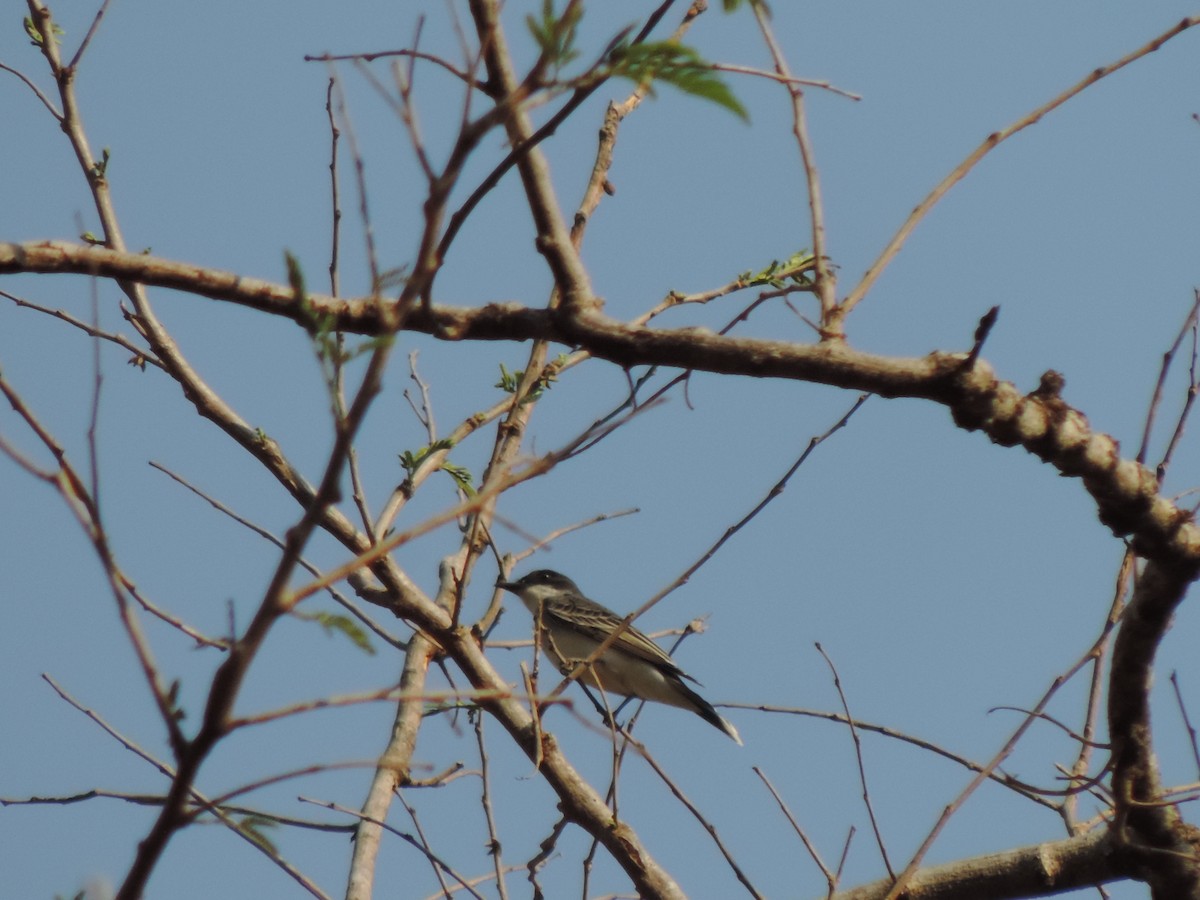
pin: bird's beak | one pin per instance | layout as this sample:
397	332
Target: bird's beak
506	585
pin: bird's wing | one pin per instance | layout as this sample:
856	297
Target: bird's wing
597	622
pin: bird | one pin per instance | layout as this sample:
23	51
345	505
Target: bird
633	666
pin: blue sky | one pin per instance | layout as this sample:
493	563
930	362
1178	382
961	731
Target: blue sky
944	575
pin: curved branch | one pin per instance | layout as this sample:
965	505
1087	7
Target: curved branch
1125	491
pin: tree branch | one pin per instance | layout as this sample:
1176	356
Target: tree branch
1036	871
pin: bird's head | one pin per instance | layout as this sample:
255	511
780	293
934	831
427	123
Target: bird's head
539	584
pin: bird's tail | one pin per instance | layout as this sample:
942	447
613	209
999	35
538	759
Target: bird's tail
708	713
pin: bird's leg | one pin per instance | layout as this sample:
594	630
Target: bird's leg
601	707
567	665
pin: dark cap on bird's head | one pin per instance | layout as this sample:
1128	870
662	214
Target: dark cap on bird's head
539	578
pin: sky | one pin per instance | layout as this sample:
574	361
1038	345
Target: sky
945	577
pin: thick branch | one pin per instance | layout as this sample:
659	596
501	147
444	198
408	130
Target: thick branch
1036	871
1159	846
1126	492
392	771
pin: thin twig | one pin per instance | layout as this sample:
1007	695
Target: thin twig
1156	399
335	199
490	615
341	599
1098	654
990	143
157	800
194	797
826	284
1189	401
862	725
862	769
423	845
82	505
87	38
439	864
1046	717
694	810
424	413
830	878
413	54
1187	721
36	90
471	883
489	816
141	355
683	579
785	79
545	848
94	411
845	853
360	180
985	773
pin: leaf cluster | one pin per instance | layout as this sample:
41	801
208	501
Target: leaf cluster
35	34
674	64
412	461
643	63
330	350
510	381
336	623
555	34
797	270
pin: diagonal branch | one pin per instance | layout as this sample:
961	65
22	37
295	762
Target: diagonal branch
992	141
1034	871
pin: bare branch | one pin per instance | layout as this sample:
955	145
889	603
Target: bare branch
990	143
785	79
36	90
862	769
141	356
494	848
830	878
87	38
1077	862
826	284
692	808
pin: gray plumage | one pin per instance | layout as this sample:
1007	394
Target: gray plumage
634	666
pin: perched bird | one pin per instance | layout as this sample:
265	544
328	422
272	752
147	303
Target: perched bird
634	666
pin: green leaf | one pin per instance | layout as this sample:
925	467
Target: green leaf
391	278
510	381
335	623
253	828
794	269
295	277
676	65
100	168
462	477
35	34
319	327
412	461
555	36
